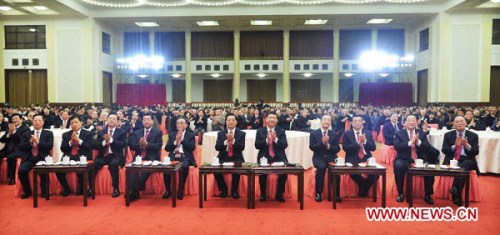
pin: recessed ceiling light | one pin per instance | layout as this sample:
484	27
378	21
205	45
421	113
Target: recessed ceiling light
384	75
495	1
261	22
315	22
207	23
142	76
5	8
176	75
261	75
147	24
32	30
308	75
348	75
41	8
215	75
379	21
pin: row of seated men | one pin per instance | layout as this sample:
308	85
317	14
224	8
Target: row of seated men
358	145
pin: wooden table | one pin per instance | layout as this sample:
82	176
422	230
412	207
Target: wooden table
171	169
370	170
413	171
293	170
208	169
78	169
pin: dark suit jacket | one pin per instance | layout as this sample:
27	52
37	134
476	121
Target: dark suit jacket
45	144
425	151
59	122
389	132
302	122
12	143
238	146
449	140
351	147
256	122
188	146
119	143
319	149
283	122
84	149
279	147
153	148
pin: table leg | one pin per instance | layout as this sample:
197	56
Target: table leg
200	189
249	204
205	187
329	191
334	189
409	189
301	190
35	189
374	186
92	181
252	191
47	187
174	188
384	181
127	190
85	186
467	188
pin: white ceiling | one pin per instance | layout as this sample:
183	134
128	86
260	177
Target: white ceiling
237	16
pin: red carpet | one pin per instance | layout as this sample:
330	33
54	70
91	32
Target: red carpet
149	215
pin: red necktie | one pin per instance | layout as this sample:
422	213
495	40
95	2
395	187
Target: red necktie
106	149
34	150
361	153
143	153
271	144
74	148
413	149
230	146
458	149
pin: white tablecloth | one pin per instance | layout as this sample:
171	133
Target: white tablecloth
297	151
488	158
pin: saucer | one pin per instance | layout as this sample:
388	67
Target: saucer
340	164
444	167
455	167
372	164
362	164
46	163
215	164
166	163
73	163
137	163
228	164
40	163
57	163
264	164
64	163
431	166
419	166
348	164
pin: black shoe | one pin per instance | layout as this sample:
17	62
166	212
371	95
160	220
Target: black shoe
262	197
280	198
400	198
25	195
428	199
89	192
134	196
43	195
12	181
167	194
223	193
338	199
235	195
454	193
458	202
180	194
116	192
362	193
79	191
65	192
318	197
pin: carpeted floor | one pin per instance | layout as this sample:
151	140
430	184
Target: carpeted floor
152	215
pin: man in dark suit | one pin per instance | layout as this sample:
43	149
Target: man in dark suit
271	143
180	145
325	145
37	145
230	144
75	143
461	145
111	141
147	143
285	119
390	128
63	122
358	144
12	140
411	143
303	123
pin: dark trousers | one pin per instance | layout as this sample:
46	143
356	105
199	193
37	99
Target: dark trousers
401	168
459	183
183	174
113	163
23	173
11	165
221	184
321	166
62	176
281	184
364	184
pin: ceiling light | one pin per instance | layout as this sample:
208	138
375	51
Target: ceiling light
32	30
261	22
176	75
308	75
261	75
384	75
41	8
315	22
5	8
208	23
348	75
147	24
379	21
495	1
215	75
142	76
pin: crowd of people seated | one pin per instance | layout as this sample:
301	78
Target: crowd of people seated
110	129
